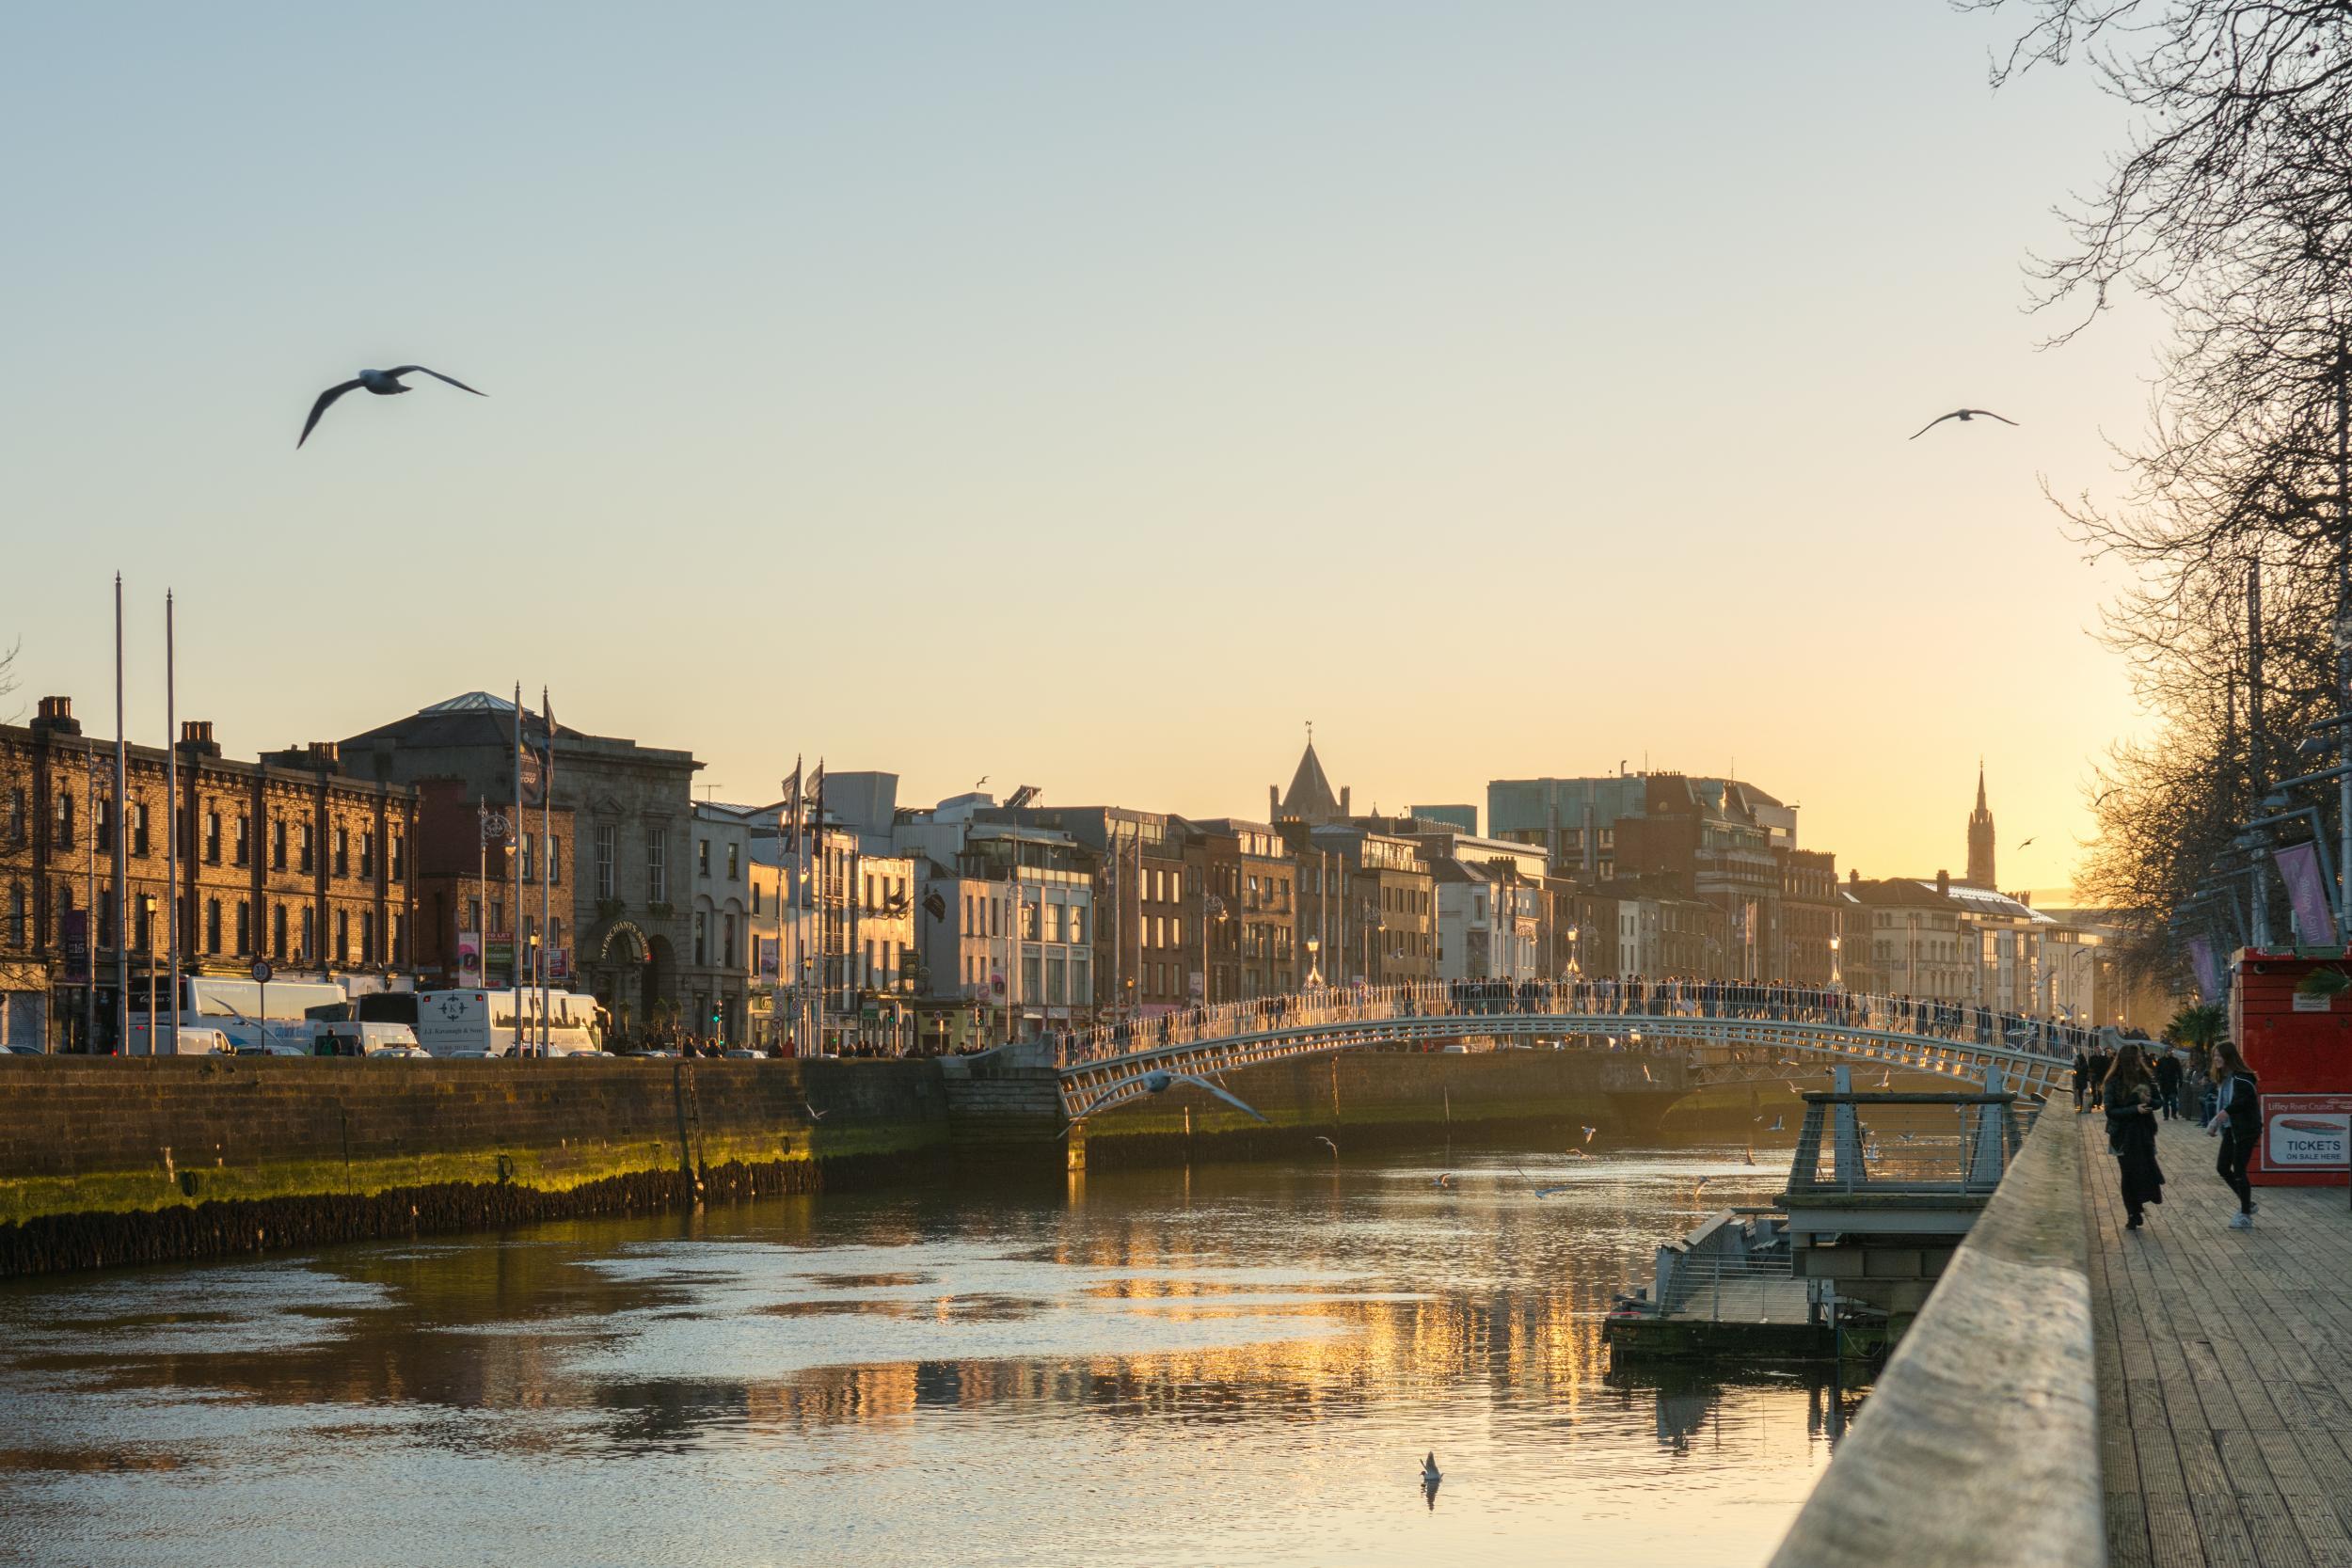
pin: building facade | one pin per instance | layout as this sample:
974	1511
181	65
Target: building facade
288	859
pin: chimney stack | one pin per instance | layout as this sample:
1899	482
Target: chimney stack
1943	881
55	716
196	737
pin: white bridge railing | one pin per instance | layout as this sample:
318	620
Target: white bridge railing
1752	1022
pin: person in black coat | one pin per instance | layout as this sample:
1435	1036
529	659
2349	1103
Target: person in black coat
2130	1107
2169	1084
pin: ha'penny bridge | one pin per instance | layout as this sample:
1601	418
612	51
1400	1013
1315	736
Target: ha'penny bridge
1704	1037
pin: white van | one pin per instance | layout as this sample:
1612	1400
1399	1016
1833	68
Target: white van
482	1022
367	1025
255	1018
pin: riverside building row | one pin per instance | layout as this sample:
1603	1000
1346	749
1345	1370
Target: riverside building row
931	928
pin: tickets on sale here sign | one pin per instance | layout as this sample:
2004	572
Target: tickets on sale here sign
2307	1132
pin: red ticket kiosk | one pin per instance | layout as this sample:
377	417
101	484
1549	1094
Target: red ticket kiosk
2300	1044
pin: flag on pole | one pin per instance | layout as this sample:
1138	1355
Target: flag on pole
790	820
2307	894
816	801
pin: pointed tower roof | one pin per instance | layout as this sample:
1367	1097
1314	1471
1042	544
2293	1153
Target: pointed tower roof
1980	806
1310	797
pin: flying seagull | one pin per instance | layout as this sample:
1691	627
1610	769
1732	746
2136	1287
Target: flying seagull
1779	1125
383	384
1963	415
2028	841
1588	1133
1329	1145
1158	1082
814	1114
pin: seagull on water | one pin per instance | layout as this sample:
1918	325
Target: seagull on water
383	384
1429	1480
1444	1178
1963	415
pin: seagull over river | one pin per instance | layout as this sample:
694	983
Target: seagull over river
1963	415
383	384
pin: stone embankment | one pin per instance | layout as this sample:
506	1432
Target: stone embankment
112	1160
105	1161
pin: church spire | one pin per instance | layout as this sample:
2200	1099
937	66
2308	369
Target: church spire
1980	840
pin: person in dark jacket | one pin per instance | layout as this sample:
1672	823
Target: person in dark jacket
2237	1120
2082	1078
2169	1084
2131	1105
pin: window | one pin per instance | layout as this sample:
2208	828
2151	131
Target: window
367	853
16	906
245	926
212	837
138	828
145	925
474	914
1078	925
278	844
62	835
735	863
400	857
755	898
17	824
342	936
342	852
524	840
702	929
244	836
607	838
727	952
309	931
367	936
400	939
278	930
555	860
211	924
657	867
307	859
702	858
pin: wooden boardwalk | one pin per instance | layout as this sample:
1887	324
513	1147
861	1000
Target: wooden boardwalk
2225	1366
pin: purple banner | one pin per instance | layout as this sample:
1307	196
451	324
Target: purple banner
2307	892
2208	972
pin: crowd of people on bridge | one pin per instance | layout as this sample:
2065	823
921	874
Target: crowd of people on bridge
1630	997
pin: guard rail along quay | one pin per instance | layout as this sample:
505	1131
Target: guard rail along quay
1742	1025
1979	1445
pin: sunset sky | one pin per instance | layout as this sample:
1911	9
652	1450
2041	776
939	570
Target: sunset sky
1084	396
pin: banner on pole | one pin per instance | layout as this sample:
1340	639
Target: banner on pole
770	958
77	945
2206	968
2307	894
560	963
499	952
470	958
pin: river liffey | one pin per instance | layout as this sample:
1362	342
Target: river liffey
1231	1365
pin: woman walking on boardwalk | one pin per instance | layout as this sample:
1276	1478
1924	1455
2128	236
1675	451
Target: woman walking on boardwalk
2131	1105
2237	1118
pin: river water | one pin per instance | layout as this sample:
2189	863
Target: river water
1233	1365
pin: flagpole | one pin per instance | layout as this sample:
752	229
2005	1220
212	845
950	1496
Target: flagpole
121	902
547	870
514	858
172	814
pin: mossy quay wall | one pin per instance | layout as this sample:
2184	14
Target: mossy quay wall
108	1161
1363	1098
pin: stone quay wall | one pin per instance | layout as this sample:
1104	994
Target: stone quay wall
112	1160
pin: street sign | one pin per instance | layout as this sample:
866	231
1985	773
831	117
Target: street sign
262	971
77	944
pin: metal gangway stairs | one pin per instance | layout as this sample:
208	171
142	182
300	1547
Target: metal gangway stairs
1713	1032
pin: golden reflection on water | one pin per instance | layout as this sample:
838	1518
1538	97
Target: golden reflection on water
1201	1356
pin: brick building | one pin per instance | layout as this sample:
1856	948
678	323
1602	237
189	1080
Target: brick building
288	858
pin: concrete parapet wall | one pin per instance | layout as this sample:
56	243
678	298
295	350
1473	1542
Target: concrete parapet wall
154	1137
1979	1445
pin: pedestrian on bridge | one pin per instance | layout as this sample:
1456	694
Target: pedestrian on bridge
2131	1106
2169	1083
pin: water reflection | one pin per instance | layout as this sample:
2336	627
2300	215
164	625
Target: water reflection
1230	1364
